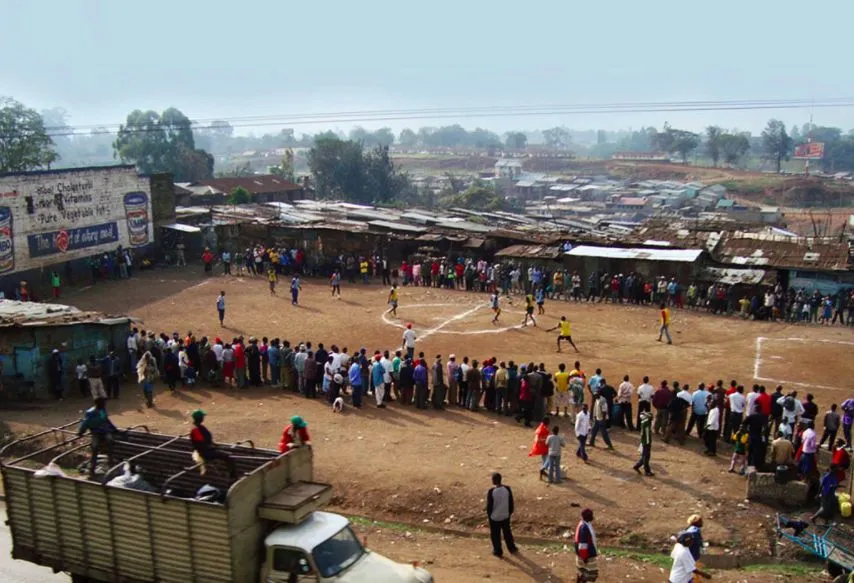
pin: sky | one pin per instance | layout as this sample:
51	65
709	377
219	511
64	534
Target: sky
221	59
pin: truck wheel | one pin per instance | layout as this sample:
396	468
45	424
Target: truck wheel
834	570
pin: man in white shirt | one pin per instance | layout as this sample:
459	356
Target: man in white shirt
792	410
624	399
684	567
737	402
582	428
645	392
409	341
132	350
713	430
751	399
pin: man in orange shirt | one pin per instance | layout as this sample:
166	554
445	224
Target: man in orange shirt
665	324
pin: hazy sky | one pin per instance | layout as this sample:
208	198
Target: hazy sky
226	59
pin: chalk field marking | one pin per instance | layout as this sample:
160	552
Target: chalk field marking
439	328
757	361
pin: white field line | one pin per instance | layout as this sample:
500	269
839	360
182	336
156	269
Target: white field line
439	329
450	320
757	363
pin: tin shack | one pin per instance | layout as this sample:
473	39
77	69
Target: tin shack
30	331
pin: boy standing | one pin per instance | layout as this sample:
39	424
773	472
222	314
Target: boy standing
555	442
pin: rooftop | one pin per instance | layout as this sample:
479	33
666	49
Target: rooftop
15	313
258	184
645	254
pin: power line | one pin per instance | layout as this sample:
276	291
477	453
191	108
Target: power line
475	112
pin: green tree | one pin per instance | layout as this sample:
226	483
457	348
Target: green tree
407	138
24	142
163	143
478	196
684	142
713	143
286	168
515	140
734	146
776	143
338	169
558	138
240	196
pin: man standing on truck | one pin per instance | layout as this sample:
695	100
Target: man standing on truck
203	444
98	423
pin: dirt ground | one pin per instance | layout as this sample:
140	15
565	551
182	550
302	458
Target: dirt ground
471	562
433	467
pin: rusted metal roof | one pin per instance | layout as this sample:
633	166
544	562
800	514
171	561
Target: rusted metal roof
769	251
15	313
530	252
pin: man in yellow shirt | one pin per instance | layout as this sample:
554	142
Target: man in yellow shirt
392	300
562	394
565	332
665	324
363	269
529	310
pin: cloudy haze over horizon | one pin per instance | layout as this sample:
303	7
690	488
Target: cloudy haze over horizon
225	60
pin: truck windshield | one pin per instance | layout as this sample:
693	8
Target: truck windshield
339	552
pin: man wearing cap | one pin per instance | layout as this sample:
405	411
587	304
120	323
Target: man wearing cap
295	435
695	523
684	566
203	444
409	341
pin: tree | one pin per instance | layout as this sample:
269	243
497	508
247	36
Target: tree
163	143
713	143
24	142
515	140
286	168
408	138
734	147
776	143
342	169
478	196
240	196
684	142
558	138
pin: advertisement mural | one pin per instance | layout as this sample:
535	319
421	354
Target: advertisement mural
809	151
57	216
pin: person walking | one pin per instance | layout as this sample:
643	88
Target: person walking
147	373
645	427
586	552
220	307
601	414
499	510
295	289
555	442
408	341
540	447
582	428
664	320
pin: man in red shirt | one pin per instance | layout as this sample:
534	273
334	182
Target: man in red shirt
295	435
203	445
239	362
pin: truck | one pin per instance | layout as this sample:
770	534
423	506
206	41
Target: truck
194	521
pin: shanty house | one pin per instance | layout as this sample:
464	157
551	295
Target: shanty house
683	264
30	331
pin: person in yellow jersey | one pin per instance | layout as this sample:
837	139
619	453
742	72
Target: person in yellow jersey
272	278
664	320
563	398
363	269
529	309
565	332
392	300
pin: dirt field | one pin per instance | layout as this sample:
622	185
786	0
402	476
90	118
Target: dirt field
433	468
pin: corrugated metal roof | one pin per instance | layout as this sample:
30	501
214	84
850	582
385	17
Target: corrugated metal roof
15	313
676	255
732	276
396	226
530	252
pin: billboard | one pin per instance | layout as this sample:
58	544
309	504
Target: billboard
56	216
810	151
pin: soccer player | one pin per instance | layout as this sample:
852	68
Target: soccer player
392	300
295	289
529	310
541	300
272	278
496	309
335	282
565	332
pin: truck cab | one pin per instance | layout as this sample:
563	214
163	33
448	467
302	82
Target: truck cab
323	548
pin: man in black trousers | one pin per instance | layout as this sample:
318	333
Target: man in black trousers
499	509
